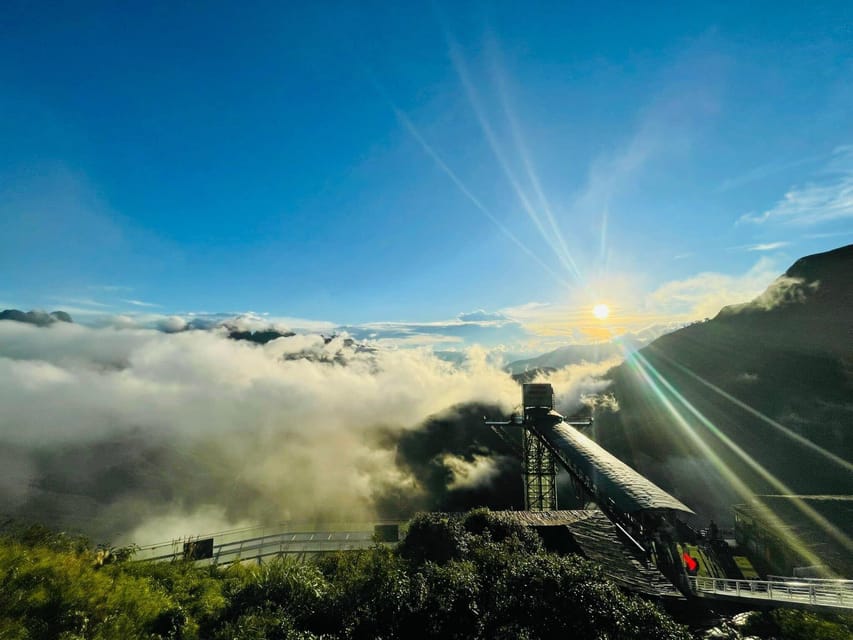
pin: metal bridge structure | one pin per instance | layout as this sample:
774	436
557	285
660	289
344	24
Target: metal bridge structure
257	544
648	520
633	533
629	499
803	593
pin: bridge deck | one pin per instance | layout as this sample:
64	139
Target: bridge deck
227	549
809	594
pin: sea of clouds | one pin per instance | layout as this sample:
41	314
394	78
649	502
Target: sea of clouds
141	435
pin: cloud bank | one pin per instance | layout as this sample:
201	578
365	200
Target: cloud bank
107	429
140	435
703	295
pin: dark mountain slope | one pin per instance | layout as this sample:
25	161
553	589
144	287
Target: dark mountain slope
787	356
36	317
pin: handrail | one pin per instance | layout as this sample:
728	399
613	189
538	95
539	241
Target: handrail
284	542
833	593
829	581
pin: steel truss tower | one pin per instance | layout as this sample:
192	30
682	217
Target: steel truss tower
539	469
539	464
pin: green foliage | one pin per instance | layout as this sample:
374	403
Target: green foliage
489	526
552	596
477	576
265	624
48	594
791	624
434	537
37	535
446	601
196	591
370	591
282	588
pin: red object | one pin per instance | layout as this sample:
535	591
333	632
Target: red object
692	565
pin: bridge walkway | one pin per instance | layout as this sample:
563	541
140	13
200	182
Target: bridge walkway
244	546
814	594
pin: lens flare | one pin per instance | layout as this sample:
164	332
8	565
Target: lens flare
669	396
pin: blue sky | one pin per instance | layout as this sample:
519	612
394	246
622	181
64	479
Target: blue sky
407	163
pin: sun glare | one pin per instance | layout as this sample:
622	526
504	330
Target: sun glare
601	311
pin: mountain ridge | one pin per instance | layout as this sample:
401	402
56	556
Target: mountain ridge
35	316
752	375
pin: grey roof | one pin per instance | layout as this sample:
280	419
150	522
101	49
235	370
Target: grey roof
547	518
629	491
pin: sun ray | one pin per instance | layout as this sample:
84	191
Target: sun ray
523	153
413	131
656	380
488	132
847	466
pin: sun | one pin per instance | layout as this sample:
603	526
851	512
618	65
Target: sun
601	311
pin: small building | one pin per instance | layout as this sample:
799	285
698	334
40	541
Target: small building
782	536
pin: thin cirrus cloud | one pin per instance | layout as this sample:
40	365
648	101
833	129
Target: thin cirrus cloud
817	202
141	303
760	246
767	246
812	204
764	171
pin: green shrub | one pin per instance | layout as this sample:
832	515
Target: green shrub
371	594
488	526
265	624
196	591
283	586
791	624
434	537
48	594
477	576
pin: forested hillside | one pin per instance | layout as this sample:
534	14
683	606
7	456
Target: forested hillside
772	376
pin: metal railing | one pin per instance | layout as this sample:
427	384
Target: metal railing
261	542
814	593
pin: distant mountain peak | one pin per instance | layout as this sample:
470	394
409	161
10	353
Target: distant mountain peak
36	316
822	265
822	280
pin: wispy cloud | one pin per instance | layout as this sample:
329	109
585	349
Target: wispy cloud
764	171
109	288
817	202
810	205
487	328
766	246
703	295
140	303
83	302
831	234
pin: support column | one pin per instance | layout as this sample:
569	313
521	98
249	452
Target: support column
539	469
